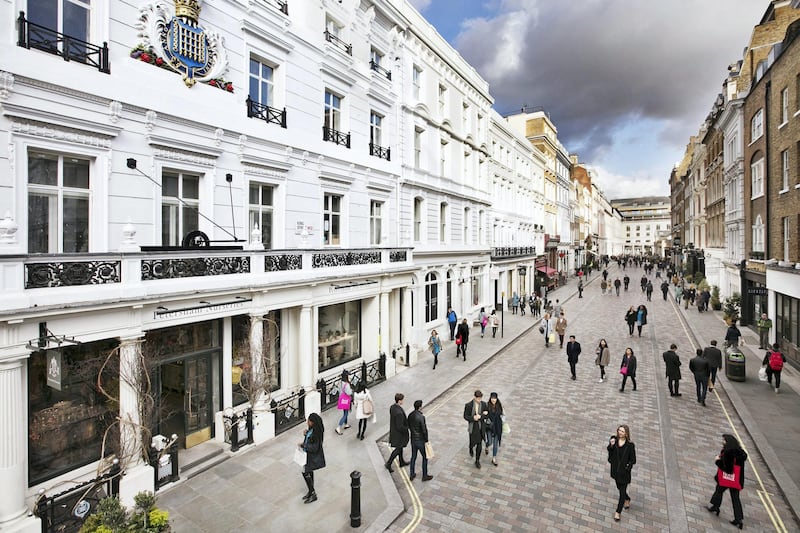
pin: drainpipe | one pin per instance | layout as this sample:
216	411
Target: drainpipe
767	91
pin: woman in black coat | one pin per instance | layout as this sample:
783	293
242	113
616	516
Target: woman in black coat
629	363
641	318
730	456
315	457
622	456
630	318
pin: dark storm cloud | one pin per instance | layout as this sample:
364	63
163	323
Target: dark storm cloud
598	65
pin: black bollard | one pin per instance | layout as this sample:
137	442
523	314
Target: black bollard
355	498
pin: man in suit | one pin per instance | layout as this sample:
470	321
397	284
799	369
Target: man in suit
714	357
700	368
475	411
419	436
398	431
573	351
673	369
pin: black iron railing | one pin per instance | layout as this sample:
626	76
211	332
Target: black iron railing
380	70
266	113
289	411
334	136
71	273
379	151
165	463
31	35
283	7
368	373
153	269
67	510
513	251
239	429
345	47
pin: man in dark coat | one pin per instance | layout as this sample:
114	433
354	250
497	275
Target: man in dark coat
665	289
700	368
398	431
626	281
573	351
475	411
673	365
419	436
463	333
714	357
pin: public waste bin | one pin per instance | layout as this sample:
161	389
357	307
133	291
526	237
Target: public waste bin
734	365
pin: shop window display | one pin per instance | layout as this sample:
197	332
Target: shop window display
241	354
67	414
339	334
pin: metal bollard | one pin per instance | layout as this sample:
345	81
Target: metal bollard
355	498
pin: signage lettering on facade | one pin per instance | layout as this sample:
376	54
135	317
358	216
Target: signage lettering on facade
756	290
196	310
756	267
54	369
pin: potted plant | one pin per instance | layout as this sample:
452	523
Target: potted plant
732	308
111	516
716	305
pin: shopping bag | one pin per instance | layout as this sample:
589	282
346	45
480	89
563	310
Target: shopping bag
429	451
732	480
624	370
299	456
762	373
551	338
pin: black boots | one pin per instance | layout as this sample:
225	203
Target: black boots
310	496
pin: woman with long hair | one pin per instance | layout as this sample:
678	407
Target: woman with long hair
494	426
360	399
622	457
435	346
603	358
315	457
630	318
641	318
729	458
628	368
344	403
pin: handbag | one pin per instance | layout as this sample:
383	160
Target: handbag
458	340
429	451
506	427
344	402
732	480
368	407
299	456
551	338
541	330
762	373
624	370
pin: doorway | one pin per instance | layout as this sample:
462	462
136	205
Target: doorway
186	399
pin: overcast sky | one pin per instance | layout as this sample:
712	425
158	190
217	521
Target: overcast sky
626	82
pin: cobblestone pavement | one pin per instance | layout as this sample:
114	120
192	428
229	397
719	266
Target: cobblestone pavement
553	475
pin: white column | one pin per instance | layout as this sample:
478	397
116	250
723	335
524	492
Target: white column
227	367
406	334
257	349
306	355
384	317
13	448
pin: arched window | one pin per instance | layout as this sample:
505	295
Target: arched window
431	297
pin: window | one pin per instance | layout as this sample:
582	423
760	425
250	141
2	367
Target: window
332	27
785	170
467	226
333	111
242	357
261	82
785	105
339	334
443	158
481	215
70	17
416	81
417	219
418	147
757	125
443	222
58	203
431	297
375	121
758	235
442	99
261	211
375	216
375	57
785	240
180	201
331	219
757	178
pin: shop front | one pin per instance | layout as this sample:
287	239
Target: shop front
338	334
754	293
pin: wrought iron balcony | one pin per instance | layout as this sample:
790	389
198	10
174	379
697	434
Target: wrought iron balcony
31	35
334	136
380	70
345	47
266	113
508	252
379	151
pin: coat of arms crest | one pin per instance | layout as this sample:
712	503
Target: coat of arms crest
170	31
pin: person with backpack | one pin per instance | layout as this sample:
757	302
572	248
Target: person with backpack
774	361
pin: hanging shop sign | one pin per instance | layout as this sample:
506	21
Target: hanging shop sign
54	369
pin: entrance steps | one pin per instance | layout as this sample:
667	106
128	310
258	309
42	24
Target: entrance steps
200	458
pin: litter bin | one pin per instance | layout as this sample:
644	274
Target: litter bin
734	365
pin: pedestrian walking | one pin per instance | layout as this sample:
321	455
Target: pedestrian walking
641	318
573	351
732	336
483	320
531	304
605	274
537	306
419	437
622	457
435	346
561	329
665	289
678	294
494	426
628	368
630	319
603	358
495	320
344	403
773	362
365	408
398	431
699	367
673	370
730	476
764	325
452	321
617	285
475	413
462	339
714	357
522	301
548	329
644	283
313	437
580	289
626	281
649	290
514	303
557	308
603	286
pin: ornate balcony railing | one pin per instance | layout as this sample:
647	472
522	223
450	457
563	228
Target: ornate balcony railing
379	151
283	6
289	411
189	267
270	115
334	40
71	273
334	136
380	70
343	258
397	256
31	35
507	252
278	262
368	373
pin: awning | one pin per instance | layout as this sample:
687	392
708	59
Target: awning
549	272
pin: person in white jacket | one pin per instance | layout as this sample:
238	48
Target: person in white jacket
548	326
365	408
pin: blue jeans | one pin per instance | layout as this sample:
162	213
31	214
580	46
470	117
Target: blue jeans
702	387
418	446
493	441
343	420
